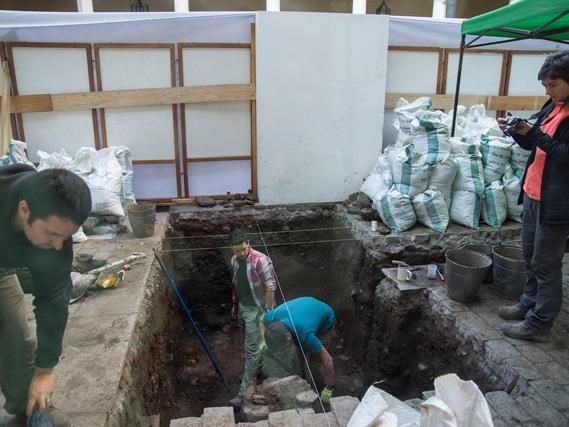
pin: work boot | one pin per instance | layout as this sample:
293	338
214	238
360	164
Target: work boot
512	312
237	401
521	331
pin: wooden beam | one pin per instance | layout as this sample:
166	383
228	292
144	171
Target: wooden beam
5	118
132	98
445	102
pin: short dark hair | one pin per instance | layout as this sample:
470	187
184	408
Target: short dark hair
238	238
56	192
556	66
276	335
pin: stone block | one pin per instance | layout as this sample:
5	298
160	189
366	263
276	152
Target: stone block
343	407
534	354
253	413
542	410
186	422
263	423
499	349
503	406
218	417
288	418
319	420
555	394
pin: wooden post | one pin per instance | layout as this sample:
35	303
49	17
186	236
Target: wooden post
6	127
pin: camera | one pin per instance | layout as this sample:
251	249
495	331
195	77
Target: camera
513	124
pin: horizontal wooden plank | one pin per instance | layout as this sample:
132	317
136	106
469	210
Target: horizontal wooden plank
445	102
132	98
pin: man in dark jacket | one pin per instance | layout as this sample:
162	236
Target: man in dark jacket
39	212
545	196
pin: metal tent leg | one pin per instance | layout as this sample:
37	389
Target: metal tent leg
458	76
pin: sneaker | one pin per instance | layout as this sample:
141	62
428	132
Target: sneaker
237	401
512	312
521	331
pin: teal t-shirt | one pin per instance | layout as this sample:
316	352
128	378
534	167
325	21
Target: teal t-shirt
310	316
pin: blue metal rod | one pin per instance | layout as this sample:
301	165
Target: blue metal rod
172	283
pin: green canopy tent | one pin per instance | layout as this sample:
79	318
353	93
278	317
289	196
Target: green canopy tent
524	19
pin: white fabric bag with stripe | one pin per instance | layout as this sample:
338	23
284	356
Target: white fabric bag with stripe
465	208
512	188
496	153
431	210
395	210
410	175
494	207
430	136
442	176
470	175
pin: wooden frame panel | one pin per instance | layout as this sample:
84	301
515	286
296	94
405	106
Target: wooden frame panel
253	146
440	51
89	57
170	47
477	51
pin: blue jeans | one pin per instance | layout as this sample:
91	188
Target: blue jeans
543	248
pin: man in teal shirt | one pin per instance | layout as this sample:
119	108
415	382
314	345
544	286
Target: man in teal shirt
302	321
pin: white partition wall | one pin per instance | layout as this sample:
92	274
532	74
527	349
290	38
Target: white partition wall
149	132
320	98
217	139
53	68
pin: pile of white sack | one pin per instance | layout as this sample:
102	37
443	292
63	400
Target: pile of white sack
108	173
431	178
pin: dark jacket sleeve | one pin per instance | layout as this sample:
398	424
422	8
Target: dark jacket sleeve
551	145
524	142
51	276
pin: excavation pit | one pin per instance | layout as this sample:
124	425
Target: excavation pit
403	338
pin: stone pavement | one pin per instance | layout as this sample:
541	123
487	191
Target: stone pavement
535	375
101	336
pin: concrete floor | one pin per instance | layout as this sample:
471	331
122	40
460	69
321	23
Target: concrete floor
100	334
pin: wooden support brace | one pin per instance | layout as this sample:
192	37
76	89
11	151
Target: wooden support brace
6	127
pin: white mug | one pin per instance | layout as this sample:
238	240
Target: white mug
403	273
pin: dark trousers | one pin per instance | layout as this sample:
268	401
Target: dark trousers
543	247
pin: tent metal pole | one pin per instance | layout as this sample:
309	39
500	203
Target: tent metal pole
458	76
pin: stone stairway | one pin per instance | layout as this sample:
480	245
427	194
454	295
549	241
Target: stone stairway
341	411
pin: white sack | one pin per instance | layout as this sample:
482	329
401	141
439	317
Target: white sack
56	160
486	125
436	413
512	189
466	401
124	158
369	410
80	236
442	176
405	113
460	146
469	176
410	176
494	207
379	179
519	158
495	152
430	136
16	154
431	210
465	208
395	210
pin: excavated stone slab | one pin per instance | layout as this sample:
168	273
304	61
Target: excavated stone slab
218	417
263	423
319	420
288	418
343	407
503	406
186	422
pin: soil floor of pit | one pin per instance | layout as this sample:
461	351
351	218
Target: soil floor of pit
100	334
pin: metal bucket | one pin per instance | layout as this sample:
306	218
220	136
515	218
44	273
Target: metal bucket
509	272
486	250
142	217
465	271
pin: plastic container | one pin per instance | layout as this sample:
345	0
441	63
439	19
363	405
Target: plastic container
465	271
142	217
510	273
